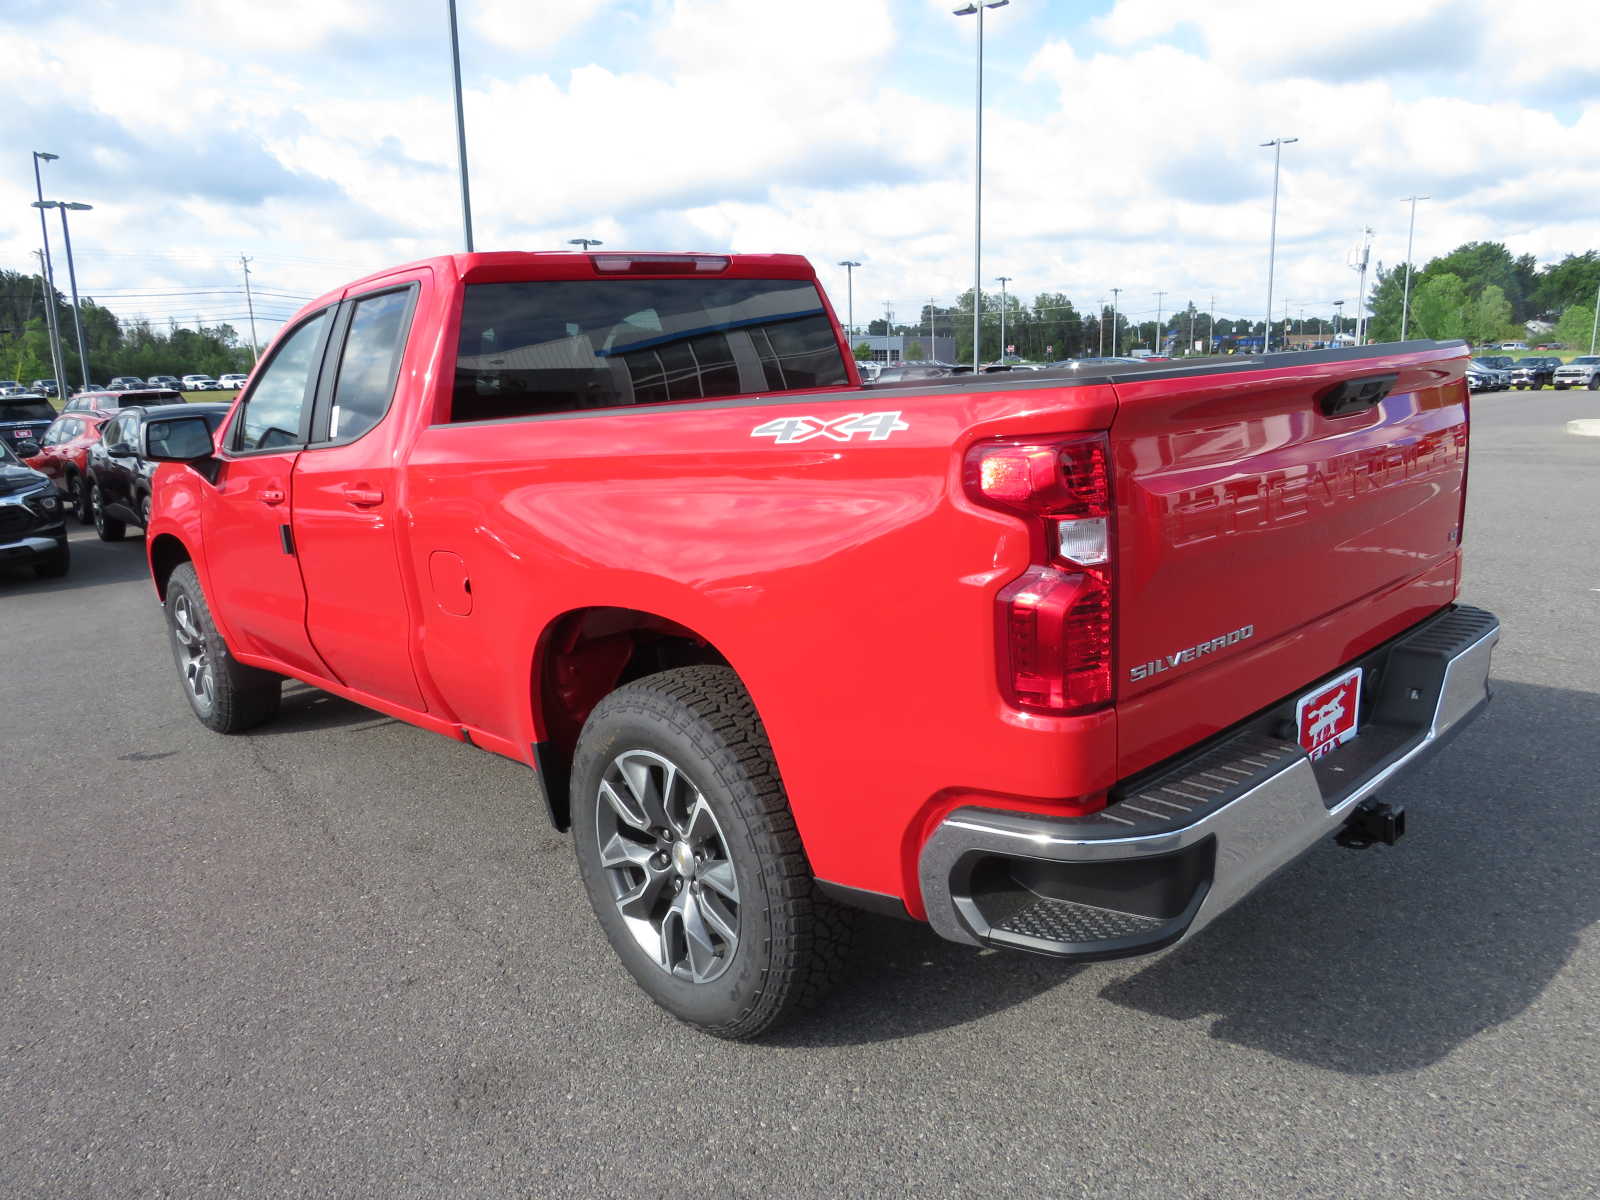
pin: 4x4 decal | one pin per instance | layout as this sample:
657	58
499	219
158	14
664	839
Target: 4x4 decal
877	426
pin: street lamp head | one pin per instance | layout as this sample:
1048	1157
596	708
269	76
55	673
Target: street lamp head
45	156
45	203
848	263
585	242
76	207
972	8
1280	141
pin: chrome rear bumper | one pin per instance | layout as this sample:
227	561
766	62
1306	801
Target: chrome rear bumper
1185	843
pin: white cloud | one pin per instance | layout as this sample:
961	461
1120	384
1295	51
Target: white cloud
1123	154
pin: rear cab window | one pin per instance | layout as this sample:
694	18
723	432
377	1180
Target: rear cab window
561	346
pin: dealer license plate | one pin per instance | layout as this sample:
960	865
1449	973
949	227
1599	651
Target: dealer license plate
1327	717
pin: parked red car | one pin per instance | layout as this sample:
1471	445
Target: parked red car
64	455
109	401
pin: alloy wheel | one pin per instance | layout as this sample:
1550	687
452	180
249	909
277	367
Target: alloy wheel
193	654
667	862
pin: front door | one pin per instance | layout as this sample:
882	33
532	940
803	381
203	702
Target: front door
346	501
254	575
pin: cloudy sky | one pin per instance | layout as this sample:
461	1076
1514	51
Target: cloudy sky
1121	139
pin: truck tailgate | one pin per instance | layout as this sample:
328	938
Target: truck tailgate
1261	542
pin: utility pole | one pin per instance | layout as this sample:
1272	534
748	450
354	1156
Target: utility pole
850	292
1211	333
1411	233
52	318
1003	280
1361	287
1100	323
933	334
251	304
1115	331
1595	327
461	129
1155	337
1277	145
888	321
1191	329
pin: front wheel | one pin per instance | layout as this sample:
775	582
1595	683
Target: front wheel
691	858
226	695
1594	383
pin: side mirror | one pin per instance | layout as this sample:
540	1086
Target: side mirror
182	439
119	450
26	449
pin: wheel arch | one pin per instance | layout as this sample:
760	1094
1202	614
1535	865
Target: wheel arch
166	553
581	657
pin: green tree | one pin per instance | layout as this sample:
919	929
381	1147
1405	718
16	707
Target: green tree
862	352
1573	280
1576	326
1439	306
1488	318
916	351
1479	265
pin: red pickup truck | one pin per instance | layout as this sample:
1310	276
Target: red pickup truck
1064	662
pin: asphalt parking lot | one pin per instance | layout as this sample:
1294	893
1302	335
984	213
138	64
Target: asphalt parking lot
344	957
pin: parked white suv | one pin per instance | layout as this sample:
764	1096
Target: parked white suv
232	381
200	383
1583	371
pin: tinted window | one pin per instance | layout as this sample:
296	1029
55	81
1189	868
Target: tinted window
369	363
273	414
529	348
25	410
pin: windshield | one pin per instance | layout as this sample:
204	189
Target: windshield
1585	360
560	346
25	409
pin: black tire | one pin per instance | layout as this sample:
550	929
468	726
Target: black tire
106	527
78	499
55	563
792	943
144	510
226	695
1594	383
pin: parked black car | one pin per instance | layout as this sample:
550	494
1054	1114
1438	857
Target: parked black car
45	387
118	478
33	522
1534	372
24	418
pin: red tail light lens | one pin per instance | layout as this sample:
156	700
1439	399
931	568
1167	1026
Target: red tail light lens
1054	622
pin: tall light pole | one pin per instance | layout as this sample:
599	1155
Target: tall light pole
1100	320
933	334
1338	320
461	129
1115	331
72	276
850	293
1211	326
1155	338
977	186
1594	329
585	243
1277	145
251	305
1002	280
1411	232
1361	287
50	315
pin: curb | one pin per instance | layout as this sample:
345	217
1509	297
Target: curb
1588	427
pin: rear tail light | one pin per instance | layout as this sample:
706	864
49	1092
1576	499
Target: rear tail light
660	264
1053	624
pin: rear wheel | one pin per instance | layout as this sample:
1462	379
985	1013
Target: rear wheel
1594	383
144	511
78	499
691	858
226	695
107	527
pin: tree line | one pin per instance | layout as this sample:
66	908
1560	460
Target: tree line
1479	291
114	348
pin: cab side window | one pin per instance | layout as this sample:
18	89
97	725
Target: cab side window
275	411
369	363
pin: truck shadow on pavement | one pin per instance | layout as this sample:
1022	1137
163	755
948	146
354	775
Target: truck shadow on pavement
1379	961
1362	962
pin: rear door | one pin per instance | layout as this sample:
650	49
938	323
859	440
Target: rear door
1263	538
346	500
254	575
